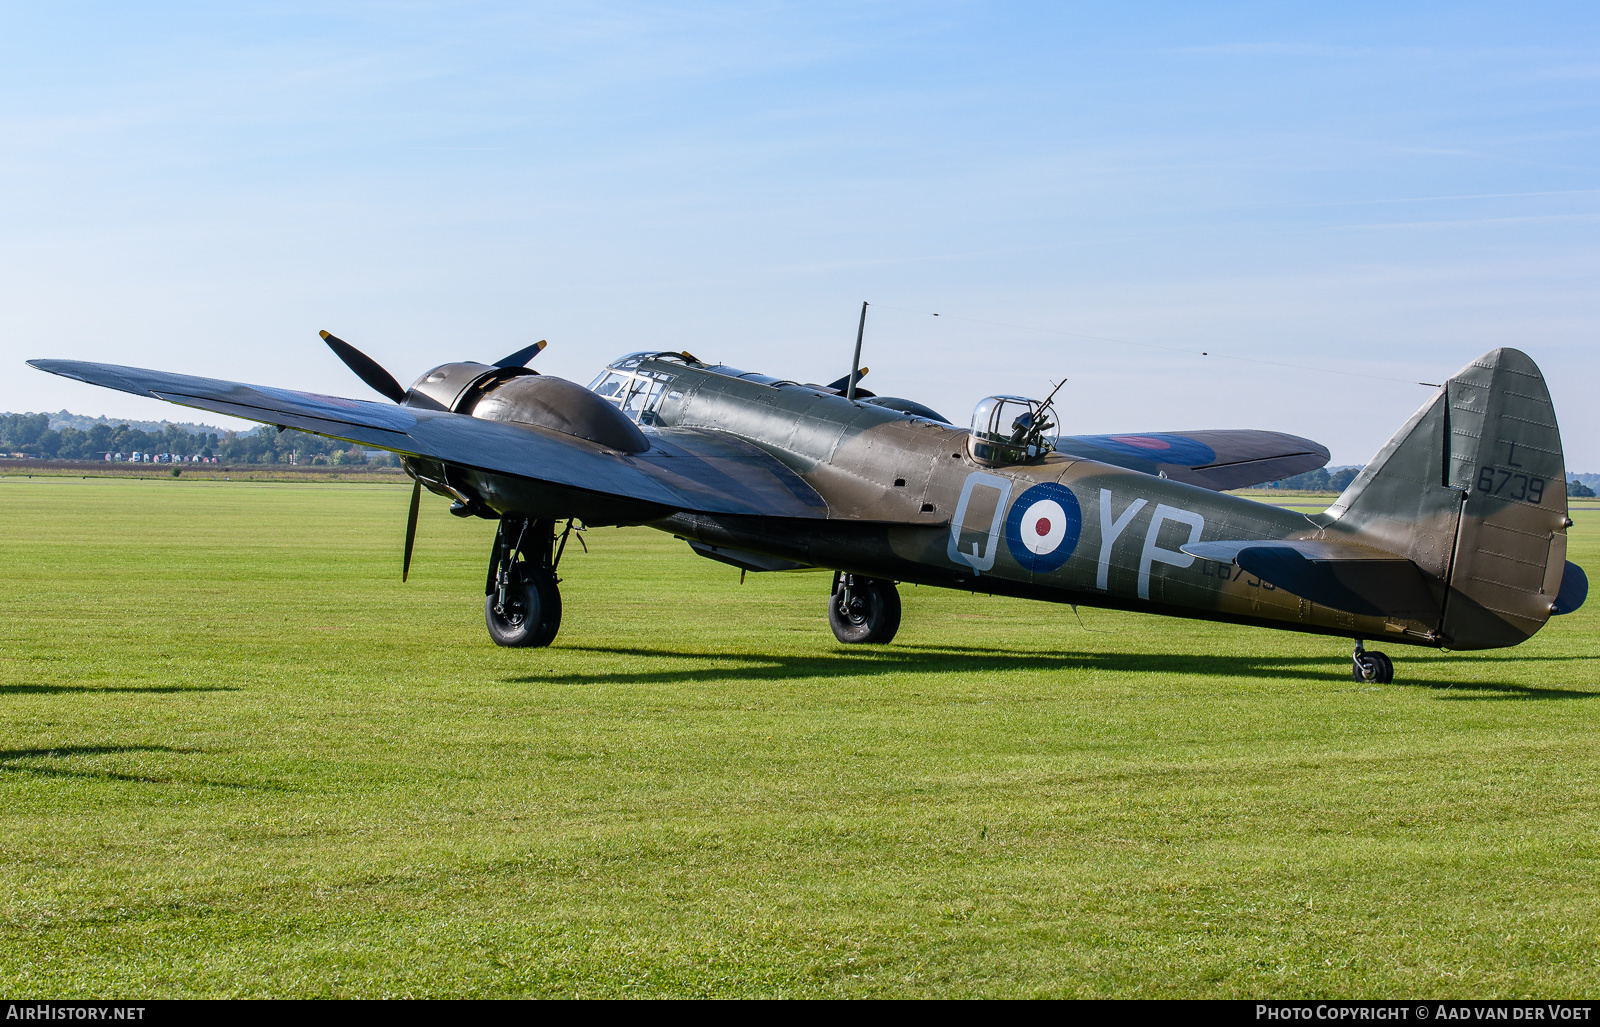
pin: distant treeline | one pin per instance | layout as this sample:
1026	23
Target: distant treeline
83	422
31	435
1323	480
1319	480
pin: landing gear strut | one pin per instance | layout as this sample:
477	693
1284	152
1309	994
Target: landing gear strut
523	604
863	609
1372	667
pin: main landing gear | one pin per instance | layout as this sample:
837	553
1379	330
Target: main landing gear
523	603
1373	667
863	609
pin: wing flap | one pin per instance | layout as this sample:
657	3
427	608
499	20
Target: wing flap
1340	575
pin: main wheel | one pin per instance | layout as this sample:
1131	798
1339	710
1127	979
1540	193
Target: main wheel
531	615
1374	667
871	615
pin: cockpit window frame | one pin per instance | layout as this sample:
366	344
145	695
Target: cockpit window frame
631	381
997	444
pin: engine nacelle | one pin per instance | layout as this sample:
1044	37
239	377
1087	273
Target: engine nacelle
522	395
905	406
451	386
562	406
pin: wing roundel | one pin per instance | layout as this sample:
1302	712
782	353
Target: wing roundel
1214	459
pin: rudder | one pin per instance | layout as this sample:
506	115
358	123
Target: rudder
1473	489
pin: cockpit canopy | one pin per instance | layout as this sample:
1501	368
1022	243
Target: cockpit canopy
637	393
1011	430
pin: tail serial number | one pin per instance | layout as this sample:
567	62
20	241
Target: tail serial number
1512	485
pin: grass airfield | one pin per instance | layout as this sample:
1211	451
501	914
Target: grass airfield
239	758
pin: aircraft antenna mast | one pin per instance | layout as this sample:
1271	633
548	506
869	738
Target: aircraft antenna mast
855	363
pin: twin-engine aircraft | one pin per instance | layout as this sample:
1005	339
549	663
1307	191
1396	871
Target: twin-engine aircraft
1454	536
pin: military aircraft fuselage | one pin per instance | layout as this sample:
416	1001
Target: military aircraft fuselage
907	501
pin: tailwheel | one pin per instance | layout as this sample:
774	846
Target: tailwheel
1371	666
863	610
522	607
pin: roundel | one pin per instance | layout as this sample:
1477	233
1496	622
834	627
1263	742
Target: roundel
1043	527
1162	447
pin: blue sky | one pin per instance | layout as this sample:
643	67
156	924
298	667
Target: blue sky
1102	192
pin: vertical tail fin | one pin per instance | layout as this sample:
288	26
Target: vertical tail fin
1473	489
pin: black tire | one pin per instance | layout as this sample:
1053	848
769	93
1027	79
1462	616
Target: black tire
532	615
873	616
1373	667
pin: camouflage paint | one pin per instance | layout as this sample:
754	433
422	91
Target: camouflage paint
1492	549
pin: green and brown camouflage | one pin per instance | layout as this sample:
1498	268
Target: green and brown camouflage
1454	536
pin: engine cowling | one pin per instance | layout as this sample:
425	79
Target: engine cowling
450	386
562	406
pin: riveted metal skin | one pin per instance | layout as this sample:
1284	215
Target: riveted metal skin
1453	536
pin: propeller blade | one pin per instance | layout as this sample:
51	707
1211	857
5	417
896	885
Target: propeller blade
411	528
844	383
521	357
367	369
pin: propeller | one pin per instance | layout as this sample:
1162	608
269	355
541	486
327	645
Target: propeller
381	381
411	527
521	357
844	383
367	369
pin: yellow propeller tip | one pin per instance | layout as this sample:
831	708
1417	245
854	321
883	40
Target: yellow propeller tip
325	334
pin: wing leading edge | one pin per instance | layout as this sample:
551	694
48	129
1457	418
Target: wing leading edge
703	472
1214	459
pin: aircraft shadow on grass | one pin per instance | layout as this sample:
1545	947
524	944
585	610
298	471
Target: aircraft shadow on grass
9	764
938	659
37	689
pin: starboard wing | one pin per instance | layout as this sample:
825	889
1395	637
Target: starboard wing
685	469
1215	459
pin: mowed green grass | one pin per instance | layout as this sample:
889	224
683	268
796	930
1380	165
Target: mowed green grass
238	757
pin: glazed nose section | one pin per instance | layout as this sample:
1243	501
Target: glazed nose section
1574	590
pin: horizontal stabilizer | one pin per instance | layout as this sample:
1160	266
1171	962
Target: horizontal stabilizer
1340	575
1574	589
